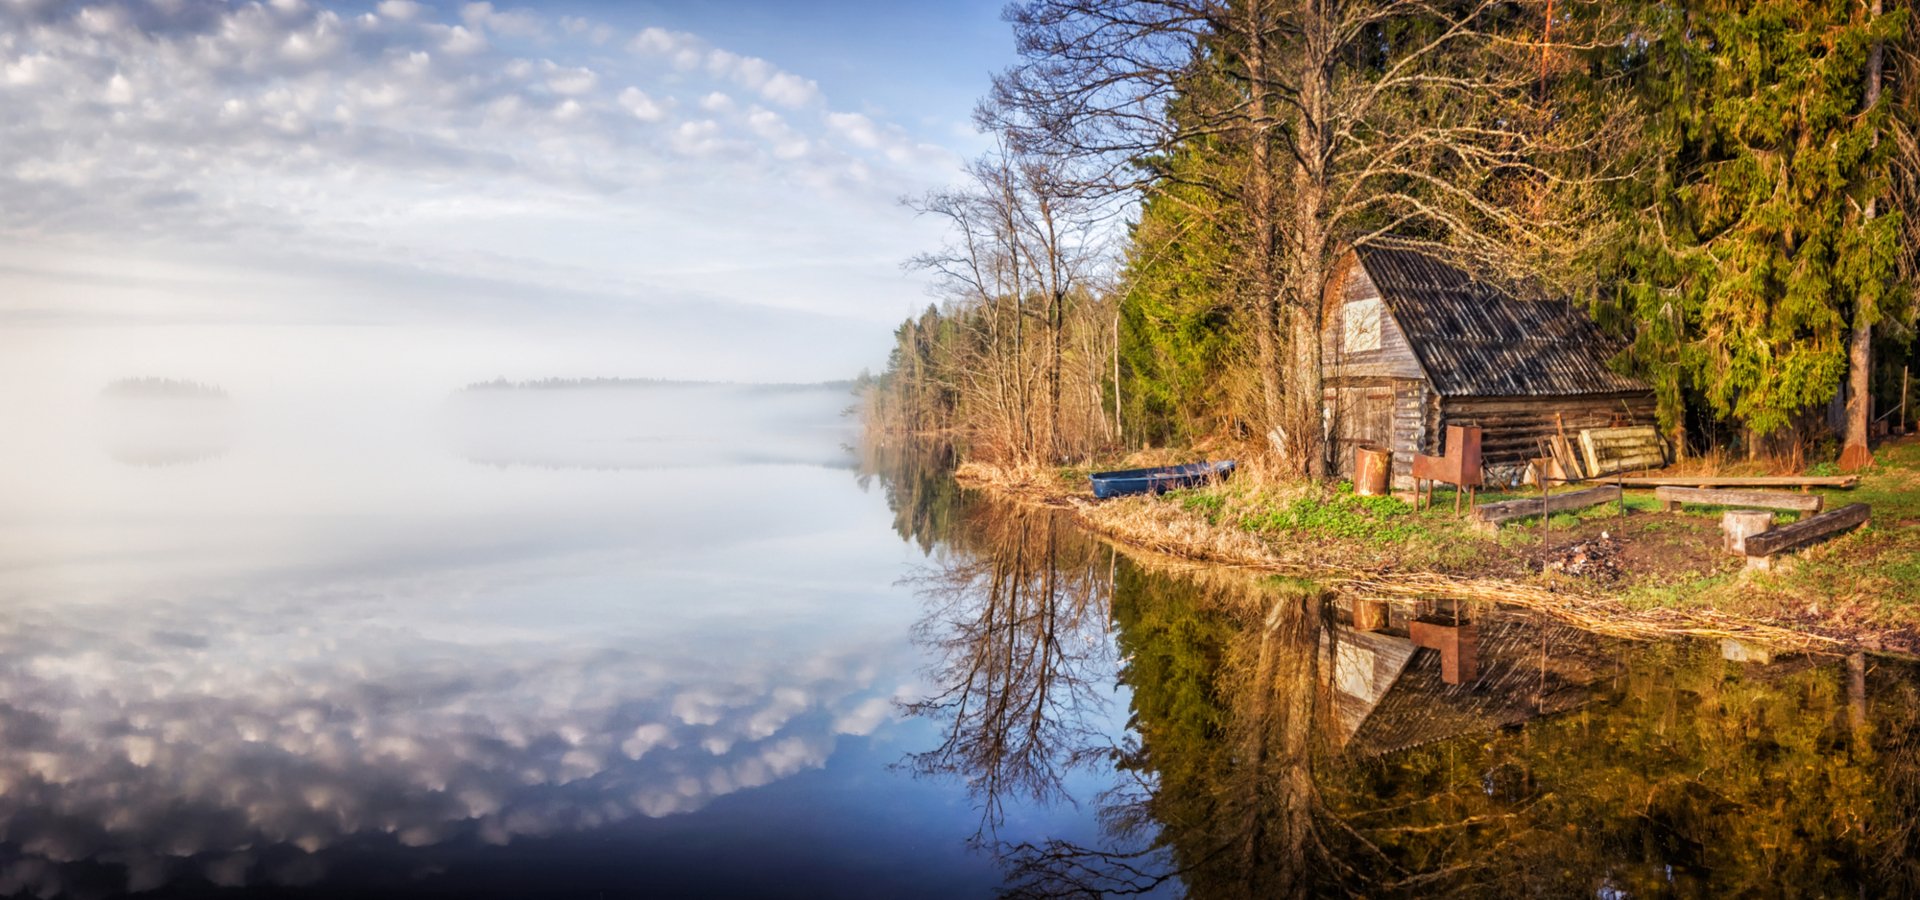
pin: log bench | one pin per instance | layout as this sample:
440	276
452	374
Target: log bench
1763	547
1671	497
1494	515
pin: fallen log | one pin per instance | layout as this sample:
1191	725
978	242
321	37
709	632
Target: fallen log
1804	532
1671	497
1496	514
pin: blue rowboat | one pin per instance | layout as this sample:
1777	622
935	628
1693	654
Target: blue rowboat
1157	479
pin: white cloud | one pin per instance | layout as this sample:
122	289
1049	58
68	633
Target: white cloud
683	50
643	107
400	10
788	89
572	81
119	90
516	23
460	41
432	142
856	128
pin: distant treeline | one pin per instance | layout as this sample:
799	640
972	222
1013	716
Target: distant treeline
160	387
570	384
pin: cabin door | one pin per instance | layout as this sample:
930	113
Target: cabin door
1373	419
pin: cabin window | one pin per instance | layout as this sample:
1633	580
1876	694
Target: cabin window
1361	326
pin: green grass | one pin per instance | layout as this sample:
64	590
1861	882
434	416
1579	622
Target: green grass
1338	513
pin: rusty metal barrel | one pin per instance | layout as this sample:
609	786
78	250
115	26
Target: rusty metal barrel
1372	470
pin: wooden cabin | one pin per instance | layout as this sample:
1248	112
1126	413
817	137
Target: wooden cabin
1412	345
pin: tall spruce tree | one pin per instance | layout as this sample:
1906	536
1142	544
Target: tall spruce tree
1753	253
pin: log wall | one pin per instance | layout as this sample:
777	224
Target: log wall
1514	427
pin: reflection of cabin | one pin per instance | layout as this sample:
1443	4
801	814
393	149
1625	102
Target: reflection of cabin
1413	345
1390	692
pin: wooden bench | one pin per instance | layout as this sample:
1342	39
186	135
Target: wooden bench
1762	547
1671	497
1493	515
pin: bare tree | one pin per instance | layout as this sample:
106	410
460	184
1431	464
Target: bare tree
1017	627
1020	272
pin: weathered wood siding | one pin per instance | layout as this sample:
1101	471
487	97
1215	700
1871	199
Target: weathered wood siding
1394	358
1514	427
1384	412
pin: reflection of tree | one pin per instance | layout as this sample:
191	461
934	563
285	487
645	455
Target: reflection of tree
918	479
1222	794
1016	624
1230	718
1669	771
1682	773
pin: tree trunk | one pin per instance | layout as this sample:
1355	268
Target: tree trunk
1261	203
1307	274
1854	454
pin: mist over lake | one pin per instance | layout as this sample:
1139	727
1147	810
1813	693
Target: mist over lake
354	653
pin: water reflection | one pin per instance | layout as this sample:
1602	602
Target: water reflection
163	423
917	477
1275	749
239	753
1016	629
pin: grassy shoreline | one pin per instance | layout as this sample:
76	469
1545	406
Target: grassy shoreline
1860	591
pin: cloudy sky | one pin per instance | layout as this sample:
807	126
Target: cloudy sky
297	189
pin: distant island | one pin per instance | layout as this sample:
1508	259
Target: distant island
568	384
170	388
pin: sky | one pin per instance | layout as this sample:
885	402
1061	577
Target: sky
427	194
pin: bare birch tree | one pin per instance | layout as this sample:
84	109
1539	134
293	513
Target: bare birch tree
1021	270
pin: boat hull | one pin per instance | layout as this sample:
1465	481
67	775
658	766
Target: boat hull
1159	479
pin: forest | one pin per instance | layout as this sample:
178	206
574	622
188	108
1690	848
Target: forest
1731	190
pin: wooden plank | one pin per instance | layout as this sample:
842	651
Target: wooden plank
1589	459
1673	496
1622	449
1808	530
1650	481
1496	514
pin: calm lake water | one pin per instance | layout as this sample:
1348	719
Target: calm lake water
531	647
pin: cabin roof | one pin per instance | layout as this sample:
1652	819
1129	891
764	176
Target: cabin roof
1475	339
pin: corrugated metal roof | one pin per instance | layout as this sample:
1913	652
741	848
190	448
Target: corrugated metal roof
1476	340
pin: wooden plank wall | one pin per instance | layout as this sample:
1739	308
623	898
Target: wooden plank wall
1355	403
1410	402
1512	427
1394	359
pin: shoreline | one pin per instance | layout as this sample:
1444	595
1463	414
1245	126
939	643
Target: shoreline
1164	532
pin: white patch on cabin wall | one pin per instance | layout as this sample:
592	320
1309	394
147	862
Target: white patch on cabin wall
1353	671
1361	325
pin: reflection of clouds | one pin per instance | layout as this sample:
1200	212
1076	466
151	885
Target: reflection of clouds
246	748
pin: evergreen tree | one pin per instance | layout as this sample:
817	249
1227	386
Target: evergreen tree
1751	253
